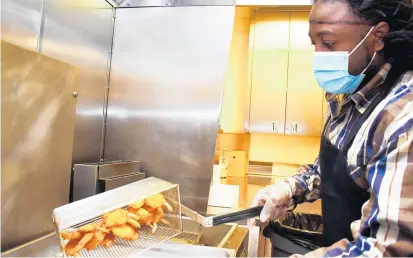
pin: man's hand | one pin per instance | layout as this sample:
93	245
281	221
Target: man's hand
276	200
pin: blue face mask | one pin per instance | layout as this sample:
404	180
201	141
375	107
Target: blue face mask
331	71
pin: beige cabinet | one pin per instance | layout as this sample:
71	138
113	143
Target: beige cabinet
304	96
285	97
269	72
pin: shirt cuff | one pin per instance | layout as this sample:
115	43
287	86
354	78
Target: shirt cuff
292	183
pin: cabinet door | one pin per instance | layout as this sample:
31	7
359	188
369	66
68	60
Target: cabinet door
304	96
269	72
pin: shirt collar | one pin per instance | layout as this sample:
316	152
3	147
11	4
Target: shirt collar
362	98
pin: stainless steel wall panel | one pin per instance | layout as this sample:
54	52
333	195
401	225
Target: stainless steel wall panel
37	124
20	22
173	3
80	36
167	79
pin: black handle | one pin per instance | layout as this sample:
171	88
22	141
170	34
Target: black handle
237	216
244	214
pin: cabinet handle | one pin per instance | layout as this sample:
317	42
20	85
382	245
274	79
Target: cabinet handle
294	128
275	126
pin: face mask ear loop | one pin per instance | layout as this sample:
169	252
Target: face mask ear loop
361	42
365	69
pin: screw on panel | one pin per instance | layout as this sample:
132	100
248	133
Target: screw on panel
75	94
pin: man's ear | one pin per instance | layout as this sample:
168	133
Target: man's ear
380	31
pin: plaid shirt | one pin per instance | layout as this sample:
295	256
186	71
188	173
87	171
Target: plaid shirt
380	160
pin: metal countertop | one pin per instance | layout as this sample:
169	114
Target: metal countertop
48	246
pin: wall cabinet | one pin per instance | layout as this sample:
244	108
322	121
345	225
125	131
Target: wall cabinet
269	72
285	97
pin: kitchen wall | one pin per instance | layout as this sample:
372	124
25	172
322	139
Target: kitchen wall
54	60
283	150
167	76
232	118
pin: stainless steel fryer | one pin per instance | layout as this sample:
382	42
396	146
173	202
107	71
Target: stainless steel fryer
74	215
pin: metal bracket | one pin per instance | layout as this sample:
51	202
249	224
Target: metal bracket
172	3
106	98
112	3
40	33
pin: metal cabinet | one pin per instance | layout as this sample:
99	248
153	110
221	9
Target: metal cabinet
304	96
269	72
285	96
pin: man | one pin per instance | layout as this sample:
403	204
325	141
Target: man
364	174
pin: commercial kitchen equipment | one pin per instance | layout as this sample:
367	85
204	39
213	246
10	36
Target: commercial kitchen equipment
136	73
72	216
235	244
93	178
109	80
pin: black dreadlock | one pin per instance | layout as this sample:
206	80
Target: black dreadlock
399	15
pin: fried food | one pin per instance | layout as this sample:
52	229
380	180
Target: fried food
143	215
108	241
98	237
135	236
134	223
148	208
126	232
154	227
88	228
116	218
122	223
133	216
168	206
158	215
138	204
71	235
70	246
132	210
155	201
78	247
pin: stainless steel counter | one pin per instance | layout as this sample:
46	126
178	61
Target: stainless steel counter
48	247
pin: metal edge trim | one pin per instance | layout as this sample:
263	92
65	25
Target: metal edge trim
119	206
26	244
175	3
112	3
122	176
40	33
228	235
107	86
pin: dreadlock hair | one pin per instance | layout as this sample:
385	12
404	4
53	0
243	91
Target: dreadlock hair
398	14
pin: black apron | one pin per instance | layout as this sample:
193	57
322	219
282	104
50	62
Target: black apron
342	199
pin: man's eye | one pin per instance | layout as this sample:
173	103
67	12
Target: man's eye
328	43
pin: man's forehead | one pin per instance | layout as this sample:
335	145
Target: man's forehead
333	12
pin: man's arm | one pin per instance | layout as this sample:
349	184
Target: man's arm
386	227
306	184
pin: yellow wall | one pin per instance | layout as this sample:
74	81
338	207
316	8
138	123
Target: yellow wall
235	90
283	149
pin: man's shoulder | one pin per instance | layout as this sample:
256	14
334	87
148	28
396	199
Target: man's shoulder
401	96
397	113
